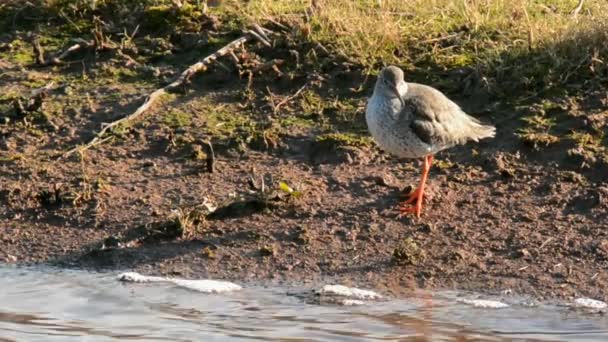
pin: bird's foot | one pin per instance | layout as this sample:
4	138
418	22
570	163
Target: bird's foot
412	196
412	205
406	209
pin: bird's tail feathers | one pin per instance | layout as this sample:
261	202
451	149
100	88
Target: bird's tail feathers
480	131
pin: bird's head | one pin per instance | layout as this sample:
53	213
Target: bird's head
391	83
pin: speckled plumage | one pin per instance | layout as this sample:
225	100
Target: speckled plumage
420	121
412	120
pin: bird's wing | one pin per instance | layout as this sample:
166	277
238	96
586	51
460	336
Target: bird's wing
435	119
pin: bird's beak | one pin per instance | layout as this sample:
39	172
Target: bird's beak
394	90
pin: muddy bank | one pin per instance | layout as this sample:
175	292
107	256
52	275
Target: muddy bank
297	190
541	232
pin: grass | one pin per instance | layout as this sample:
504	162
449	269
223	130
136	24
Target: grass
519	52
513	43
530	46
177	119
536	131
534	44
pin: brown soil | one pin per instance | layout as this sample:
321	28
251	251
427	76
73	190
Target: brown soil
503	216
538	231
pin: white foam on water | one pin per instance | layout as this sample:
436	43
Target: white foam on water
202	285
484	303
350	292
134	277
207	285
352	302
588	303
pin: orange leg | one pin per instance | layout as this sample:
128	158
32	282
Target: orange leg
414	203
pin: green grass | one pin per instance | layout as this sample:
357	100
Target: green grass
521	53
177	119
527	45
530	46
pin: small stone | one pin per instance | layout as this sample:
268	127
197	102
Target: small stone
407	252
208	253
523	253
427	228
111	242
148	164
267	250
384	180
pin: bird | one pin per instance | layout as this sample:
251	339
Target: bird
411	120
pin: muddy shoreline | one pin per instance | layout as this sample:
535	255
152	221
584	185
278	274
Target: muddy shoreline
298	191
482	229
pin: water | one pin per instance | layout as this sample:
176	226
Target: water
61	305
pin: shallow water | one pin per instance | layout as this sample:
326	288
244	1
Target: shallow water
59	305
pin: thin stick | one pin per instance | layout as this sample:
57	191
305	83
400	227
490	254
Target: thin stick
99	42
179	82
278	24
438	39
38	52
262	32
210	157
261	37
58	59
578	8
267	66
43	89
530	31
276	108
545	243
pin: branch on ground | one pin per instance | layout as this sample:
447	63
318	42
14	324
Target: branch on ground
256	33
99	42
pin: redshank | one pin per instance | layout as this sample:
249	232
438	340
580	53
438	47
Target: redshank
413	120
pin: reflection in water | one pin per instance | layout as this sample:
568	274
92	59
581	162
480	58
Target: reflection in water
60	305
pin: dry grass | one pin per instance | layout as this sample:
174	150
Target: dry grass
513	45
534	44
520	52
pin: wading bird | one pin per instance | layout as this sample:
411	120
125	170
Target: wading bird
413	120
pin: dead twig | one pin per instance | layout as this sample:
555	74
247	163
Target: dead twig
578	8
82	45
58	59
99	42
278	24
178	83
36	92
33	102
210	157
38	52
545	243
130	60
438	39
272	64
530	30
289	98
234	58
260	36
262	31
